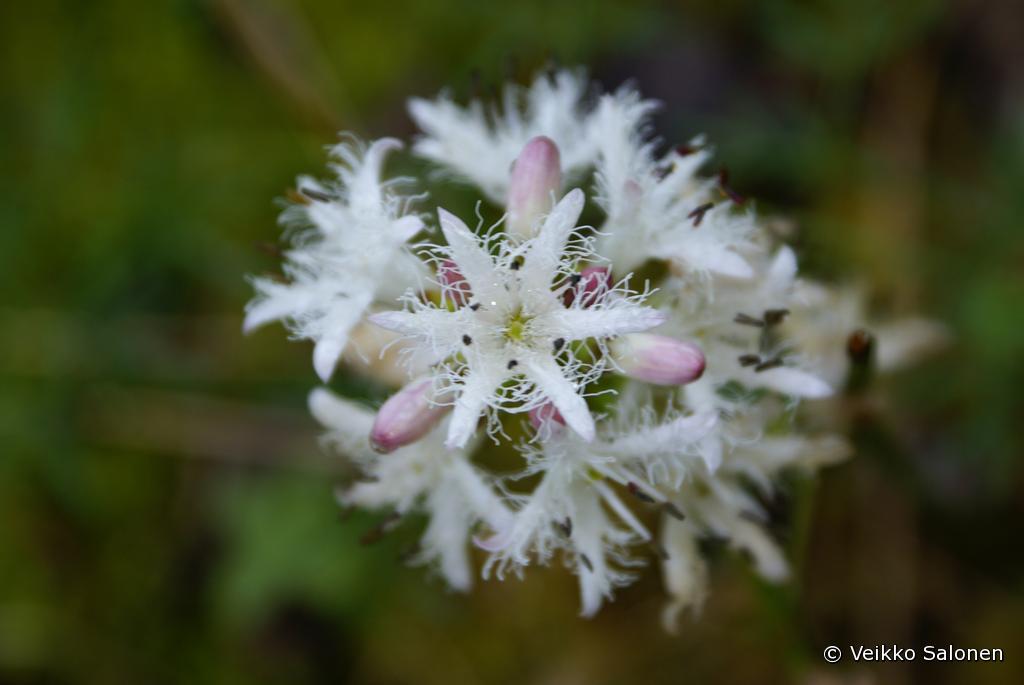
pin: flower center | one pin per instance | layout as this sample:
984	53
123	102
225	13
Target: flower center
516	326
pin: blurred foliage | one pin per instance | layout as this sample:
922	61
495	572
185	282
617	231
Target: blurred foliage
165	513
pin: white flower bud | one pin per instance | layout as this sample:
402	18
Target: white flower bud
658	359
536	180
406	417
455	285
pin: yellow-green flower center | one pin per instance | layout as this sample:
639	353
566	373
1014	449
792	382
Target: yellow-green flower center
516	326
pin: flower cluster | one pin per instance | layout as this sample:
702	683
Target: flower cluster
654	359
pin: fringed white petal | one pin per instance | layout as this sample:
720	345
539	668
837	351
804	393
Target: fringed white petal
677	437
365	194
597	322
349	423
550	380
684	571
589	544
906	340
331	333
473	261
790	381
275	301
719	260
446	537
783	267
472	400
546	250
728	514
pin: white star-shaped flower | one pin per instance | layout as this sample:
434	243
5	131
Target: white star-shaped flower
569	509
509	346
740	325
350	250
424	476
661	208
479	144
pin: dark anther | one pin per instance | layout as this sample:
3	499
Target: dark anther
586	562
295	197
698	214
372	536
565	527
768	364
575	279
551	66
684	150
660	551
512	363
748	320
559	344
466	340
723	184
269	248
516	263
752	517
378	531
475	306
315	195
749	359
858	346
673	511
408	554
635	490
773	317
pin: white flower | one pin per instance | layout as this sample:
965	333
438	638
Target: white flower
349	251
716	497
567	509
564	512
424	476
526	317
660	208
479	145
740	326
510	347
831	315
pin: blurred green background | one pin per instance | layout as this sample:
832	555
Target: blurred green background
165	512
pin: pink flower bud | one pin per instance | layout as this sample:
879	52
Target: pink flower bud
536	178
592	285
406	417
658	359
455	285
545	413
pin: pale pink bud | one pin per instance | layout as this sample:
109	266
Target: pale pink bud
406	417
658	359
544	414
536	178
455	285
591	286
